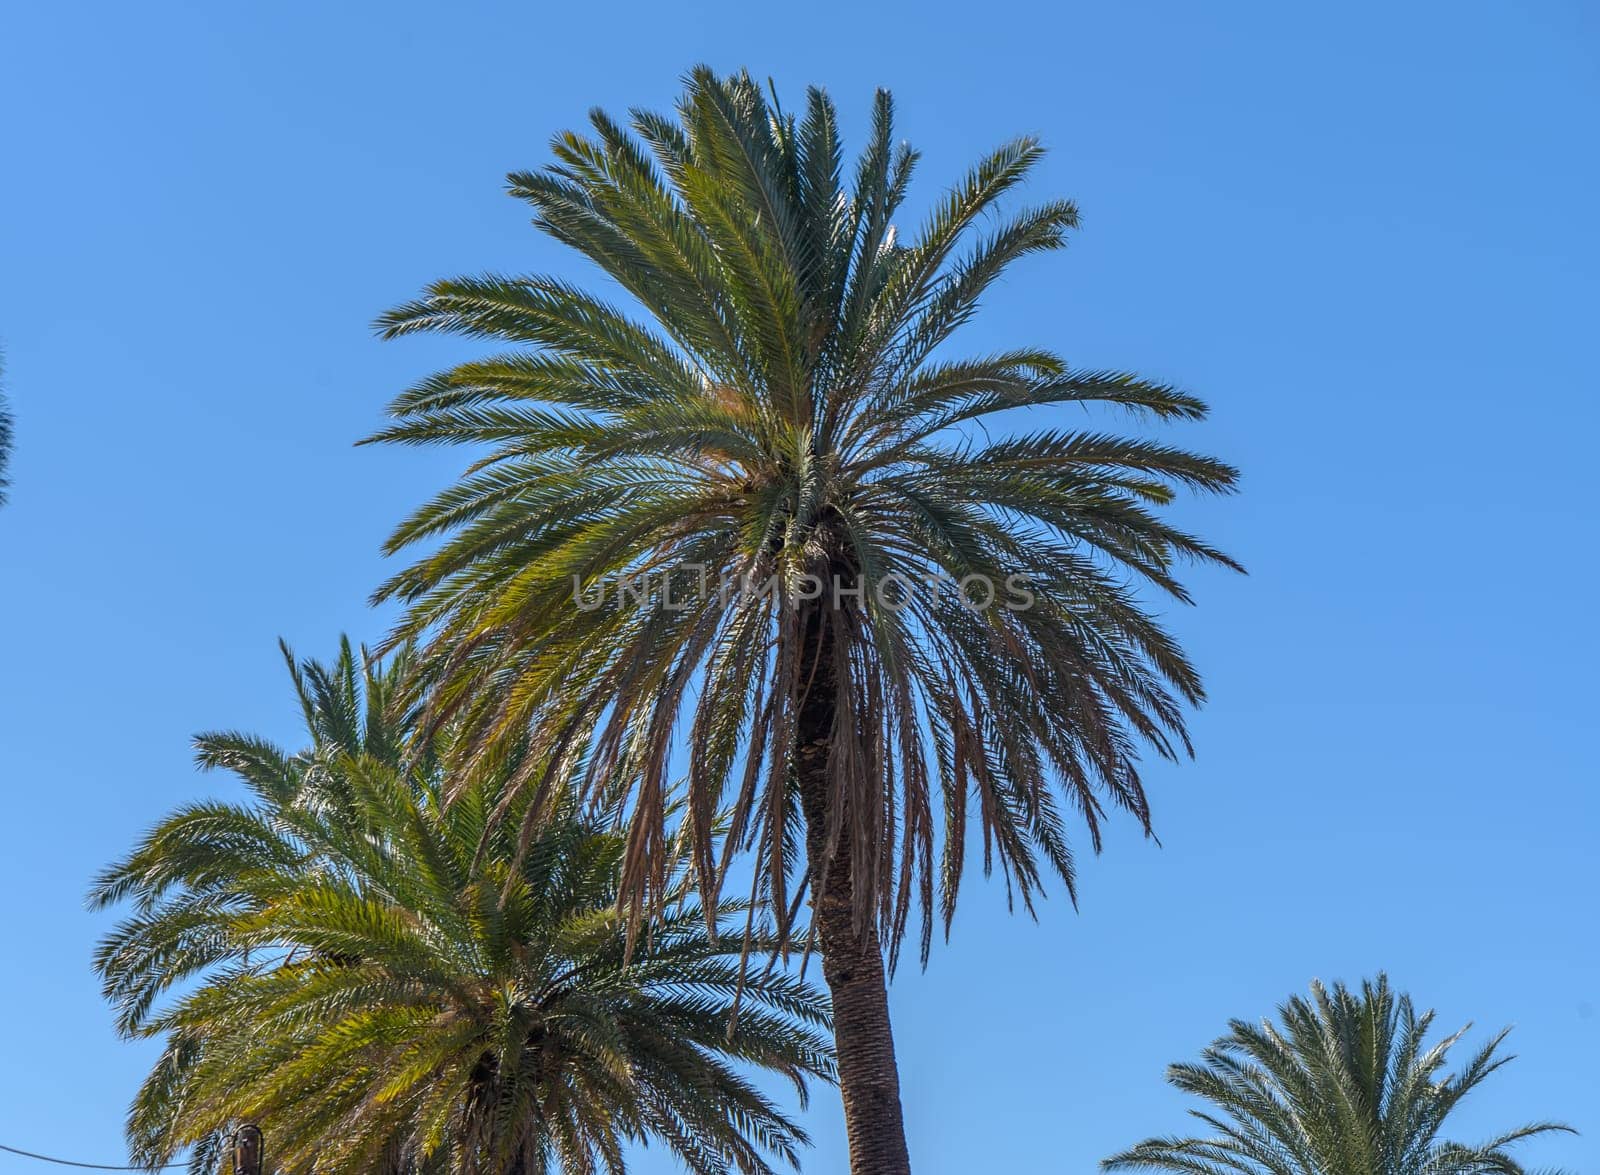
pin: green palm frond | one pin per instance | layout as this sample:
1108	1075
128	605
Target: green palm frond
391	983
1345	1083
783	400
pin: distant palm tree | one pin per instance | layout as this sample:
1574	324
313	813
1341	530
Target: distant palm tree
387	984
5	441
1346	1084
797	541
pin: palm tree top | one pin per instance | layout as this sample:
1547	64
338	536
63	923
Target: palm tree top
782	403
389	983
1344	1083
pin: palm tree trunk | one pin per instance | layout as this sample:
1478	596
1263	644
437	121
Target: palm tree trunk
852	964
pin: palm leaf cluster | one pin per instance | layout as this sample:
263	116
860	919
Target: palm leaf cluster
392	984
781	404
1345	1083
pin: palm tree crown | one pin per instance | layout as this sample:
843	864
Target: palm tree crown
774	487
391	984
1345	1084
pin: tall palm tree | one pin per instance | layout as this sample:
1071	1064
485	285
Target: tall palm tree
1344	1084
387	983
767	515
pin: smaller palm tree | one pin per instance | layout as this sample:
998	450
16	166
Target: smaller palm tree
391	984
1345	1085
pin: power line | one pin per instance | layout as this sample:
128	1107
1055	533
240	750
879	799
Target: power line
90	1166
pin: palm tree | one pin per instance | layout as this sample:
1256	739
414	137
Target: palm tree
766	520
5	442
1346	1084
387	983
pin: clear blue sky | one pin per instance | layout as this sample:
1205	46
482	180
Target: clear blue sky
1366	232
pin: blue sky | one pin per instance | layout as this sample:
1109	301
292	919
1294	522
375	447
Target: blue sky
1365	232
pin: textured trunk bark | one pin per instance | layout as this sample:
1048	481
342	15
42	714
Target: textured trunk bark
852	966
